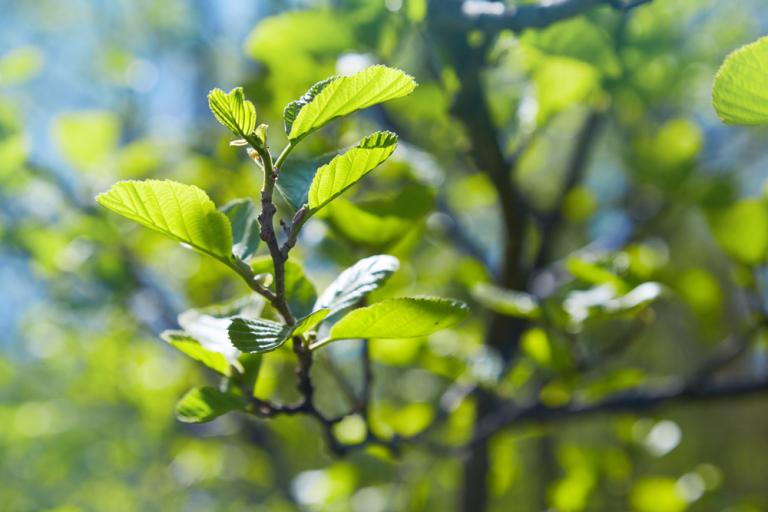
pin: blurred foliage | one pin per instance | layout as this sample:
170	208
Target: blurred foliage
664	245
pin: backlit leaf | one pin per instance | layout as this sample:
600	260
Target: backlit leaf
345	170
347	94
182	212
233	111
403	317
740	93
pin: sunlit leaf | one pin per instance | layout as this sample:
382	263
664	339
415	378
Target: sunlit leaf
205	404
257	336
182	212
404	317
243	216
233	111
293	108
345	170
310	321
357	281
347	94
740	93
191	347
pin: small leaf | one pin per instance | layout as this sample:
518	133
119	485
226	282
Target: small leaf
506	302
357	281
310	321
182	212
191	347
243	217
209	325
345	170
293	108
742	231
257	336
347	94
233	111
205	404
299	290
404	317
740	93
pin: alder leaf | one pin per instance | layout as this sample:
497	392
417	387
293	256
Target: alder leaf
343	95
740	93
233	111
357	281
405	317
182	212
332	179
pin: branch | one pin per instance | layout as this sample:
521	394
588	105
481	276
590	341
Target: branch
673	391
574	175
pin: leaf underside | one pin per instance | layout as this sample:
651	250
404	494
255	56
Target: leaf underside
357	281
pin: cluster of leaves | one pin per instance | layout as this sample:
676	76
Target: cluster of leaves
230	340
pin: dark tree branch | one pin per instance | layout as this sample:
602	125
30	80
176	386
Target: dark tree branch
574	175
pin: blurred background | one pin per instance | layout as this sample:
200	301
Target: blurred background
92	92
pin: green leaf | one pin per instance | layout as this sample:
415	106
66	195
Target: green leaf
243	217
507	302
250	366
233	111
356	282
345	170
194	349
293	108
205	404
379	222
299	290
208	326
404	317
347	94
296	177
740	93
257	336
310	321
182	212
742	231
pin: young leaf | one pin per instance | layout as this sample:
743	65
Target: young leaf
293	108
347	94
182	212
205	404
299	290
242	216
403	317
194	349
310	321
233	111
740	93
345	170
257	336
357	281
